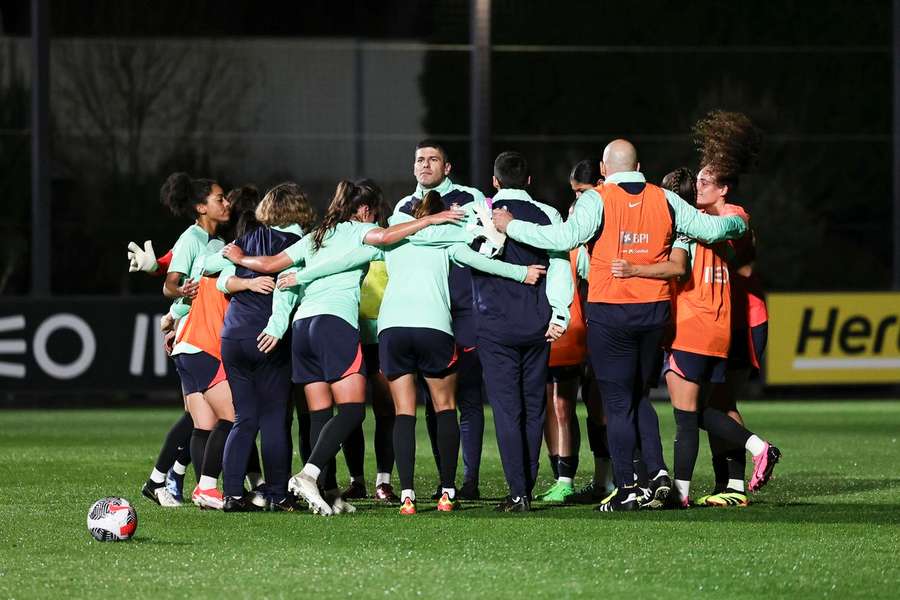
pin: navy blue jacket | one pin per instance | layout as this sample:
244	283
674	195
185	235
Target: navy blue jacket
248	312
508	312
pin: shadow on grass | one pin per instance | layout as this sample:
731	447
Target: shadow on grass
809	483
758	512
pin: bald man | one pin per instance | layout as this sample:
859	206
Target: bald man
626	217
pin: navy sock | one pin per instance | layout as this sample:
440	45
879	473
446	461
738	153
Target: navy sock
431	423
405	449
448	442
199	437
354	448
687	443
384	443
176	444
215	447
554	465
304	434
567	466
718	423
719	450
335	431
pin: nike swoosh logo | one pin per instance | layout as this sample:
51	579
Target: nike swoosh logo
630	205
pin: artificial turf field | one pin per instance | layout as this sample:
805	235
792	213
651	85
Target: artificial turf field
828	524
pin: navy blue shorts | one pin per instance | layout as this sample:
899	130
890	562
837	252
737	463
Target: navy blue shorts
561	374
697	368
747	350
325	348
198	372
406	350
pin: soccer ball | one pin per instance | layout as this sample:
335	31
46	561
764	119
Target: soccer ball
112	520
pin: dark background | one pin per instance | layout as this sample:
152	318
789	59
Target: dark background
567	77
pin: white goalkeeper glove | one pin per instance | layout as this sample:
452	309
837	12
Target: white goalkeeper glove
141	260
495	239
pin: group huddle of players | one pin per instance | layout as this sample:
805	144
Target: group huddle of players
459	300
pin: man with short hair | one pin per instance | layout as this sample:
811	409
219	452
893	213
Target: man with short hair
432	172
515	326
630	219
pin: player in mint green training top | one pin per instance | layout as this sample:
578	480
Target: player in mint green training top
327	355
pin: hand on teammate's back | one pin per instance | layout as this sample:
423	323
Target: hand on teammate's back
534	274
262	285
266	343
233	253
454	215
287	280
501	218
189	288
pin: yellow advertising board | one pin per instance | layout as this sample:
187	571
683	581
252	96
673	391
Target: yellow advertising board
833	338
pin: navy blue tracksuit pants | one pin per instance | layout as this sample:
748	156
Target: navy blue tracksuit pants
515	379
625	360
260	389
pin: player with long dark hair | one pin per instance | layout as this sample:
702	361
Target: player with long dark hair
327	354
197	349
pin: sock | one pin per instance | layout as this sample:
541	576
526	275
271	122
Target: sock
384	444
177	439
329	475
199	437
382	478
575	440
405	449
448	446
566	468
407	494
317	421
179	468
207	482
718	423
683	488
358	479
687	444
554	465
431	425
451	492
566	481
354	448
303	434
719	450
157	477
755	445
736	485
737	464
215	448
311	470
349	417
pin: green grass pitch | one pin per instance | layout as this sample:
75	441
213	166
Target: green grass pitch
828	525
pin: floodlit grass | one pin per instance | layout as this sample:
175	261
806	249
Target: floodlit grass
827	525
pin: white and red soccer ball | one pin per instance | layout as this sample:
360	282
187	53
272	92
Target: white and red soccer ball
112	519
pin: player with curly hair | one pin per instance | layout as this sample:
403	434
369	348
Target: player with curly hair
729	145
